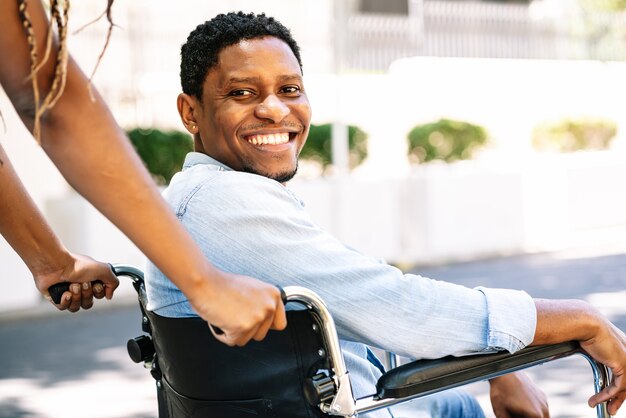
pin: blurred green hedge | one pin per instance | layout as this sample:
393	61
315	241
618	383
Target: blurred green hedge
318	145
163	152
447	140
571	135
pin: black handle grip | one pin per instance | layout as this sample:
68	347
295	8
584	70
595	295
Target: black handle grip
57	290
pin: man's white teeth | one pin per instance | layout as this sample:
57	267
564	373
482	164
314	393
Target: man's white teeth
272	139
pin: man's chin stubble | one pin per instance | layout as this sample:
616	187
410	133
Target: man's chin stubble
279	177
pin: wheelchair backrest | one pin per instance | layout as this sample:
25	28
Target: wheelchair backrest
198	376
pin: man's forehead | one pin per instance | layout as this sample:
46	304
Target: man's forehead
254	60
256	49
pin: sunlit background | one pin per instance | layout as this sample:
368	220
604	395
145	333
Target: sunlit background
461	130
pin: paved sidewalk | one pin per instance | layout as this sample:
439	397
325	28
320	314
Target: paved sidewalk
61	365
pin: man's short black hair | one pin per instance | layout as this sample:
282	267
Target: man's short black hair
199	54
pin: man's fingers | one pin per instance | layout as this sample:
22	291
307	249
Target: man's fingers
614	404
610	392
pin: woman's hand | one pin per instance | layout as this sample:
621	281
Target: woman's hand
81	272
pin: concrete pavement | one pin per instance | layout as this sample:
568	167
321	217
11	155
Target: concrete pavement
58	365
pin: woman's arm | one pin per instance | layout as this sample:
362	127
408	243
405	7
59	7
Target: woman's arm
28	233
94	155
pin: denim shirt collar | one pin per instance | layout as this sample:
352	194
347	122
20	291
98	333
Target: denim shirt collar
197	158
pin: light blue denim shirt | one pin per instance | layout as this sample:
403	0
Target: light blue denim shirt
249	224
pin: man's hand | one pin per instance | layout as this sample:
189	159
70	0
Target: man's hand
515	395
608	347
80	271
242	307
568	320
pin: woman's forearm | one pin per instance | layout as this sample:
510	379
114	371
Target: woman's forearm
22	224
81	137
83	140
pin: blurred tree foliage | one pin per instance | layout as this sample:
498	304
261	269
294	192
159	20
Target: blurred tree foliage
570	135
604	5
318	145
601	25
163	152
445	139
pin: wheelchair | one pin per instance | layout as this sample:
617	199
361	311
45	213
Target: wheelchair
298	372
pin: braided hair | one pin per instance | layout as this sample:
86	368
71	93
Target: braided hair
59	17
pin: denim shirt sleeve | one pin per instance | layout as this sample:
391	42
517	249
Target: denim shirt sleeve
512	321
248	224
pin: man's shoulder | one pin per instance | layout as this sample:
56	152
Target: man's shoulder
211	177
210	187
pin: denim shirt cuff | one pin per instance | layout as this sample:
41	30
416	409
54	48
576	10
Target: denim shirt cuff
512	317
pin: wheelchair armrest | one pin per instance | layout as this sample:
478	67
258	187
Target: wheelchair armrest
426	376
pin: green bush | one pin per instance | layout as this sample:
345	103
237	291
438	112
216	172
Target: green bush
571	135
318	145
447	140
163	152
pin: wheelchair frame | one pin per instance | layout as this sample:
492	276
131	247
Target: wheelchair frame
400	384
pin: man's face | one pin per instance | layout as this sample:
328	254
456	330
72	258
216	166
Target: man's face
255	115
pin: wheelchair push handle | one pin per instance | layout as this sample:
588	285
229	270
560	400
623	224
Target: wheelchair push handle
56	290
218	331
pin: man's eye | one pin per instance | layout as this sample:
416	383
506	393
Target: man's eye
239	93
291	89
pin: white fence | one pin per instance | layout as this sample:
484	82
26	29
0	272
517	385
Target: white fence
483	29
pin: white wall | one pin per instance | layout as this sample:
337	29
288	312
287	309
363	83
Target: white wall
451	212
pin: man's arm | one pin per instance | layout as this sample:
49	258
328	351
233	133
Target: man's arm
25	229
565	320
93	154
249	223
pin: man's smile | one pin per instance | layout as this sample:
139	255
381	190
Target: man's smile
271	139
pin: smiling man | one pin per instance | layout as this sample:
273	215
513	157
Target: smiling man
245	104
250	120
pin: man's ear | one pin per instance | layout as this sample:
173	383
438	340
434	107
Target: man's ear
187	110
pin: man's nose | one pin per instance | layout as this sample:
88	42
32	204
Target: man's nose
272	108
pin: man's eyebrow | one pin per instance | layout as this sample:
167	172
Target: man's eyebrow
234	80
255	79
289	77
